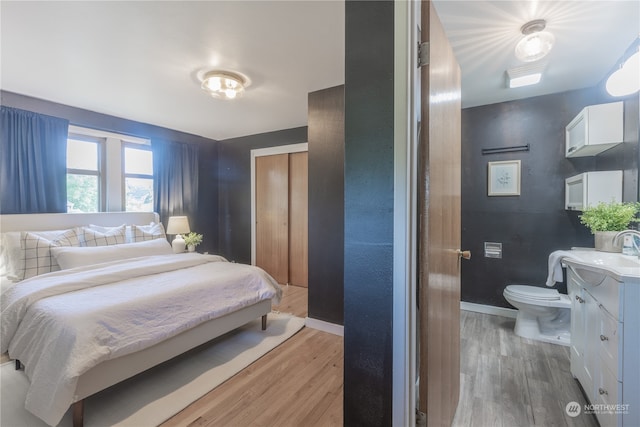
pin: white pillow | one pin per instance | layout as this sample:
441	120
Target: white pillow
69	257
141	233
113	236
11	256
101	229
36	252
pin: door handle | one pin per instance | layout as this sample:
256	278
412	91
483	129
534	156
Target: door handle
464	254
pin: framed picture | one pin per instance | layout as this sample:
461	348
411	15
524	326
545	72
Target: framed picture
504	178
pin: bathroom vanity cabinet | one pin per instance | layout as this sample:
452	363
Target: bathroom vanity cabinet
605	336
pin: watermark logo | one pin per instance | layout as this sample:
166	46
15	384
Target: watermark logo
573	409
611	408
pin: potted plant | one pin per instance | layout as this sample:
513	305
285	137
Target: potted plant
605	220
192	240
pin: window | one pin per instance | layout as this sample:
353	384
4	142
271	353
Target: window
83	176
108	172
138	179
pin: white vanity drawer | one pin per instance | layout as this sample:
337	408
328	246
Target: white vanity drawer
608	331
607	391
607	294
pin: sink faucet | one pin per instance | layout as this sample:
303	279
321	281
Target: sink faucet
618	236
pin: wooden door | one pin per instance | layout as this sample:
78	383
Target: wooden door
272	215
439	240
281	191
298	219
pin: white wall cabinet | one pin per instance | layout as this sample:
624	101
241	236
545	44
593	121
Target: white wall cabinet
595	129
605	344
590	188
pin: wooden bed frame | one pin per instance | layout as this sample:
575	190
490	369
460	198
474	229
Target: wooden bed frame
116	370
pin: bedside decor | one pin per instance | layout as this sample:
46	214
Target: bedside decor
192	240
178	225
605	220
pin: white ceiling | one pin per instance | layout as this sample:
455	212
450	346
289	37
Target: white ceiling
140	59
590	37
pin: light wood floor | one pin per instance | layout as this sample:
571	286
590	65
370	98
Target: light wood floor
299	383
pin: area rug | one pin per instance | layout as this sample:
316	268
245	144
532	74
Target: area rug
159	393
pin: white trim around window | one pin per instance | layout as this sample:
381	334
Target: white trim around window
112	174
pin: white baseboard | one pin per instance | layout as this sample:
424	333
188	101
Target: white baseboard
323	326
488	309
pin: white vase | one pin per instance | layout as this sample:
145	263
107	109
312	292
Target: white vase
604	241
191	248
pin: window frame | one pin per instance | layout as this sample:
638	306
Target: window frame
101	152
125	175
111	164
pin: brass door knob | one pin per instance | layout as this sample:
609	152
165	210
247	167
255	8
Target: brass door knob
464	254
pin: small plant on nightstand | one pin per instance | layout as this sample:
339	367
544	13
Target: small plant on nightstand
192	240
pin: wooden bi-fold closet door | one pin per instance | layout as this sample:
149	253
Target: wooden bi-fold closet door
282	216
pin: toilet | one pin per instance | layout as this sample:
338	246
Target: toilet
543	314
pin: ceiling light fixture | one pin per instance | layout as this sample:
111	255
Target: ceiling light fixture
224	84
536	43
525	75
626	79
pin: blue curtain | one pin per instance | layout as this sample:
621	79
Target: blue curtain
33	162
175	173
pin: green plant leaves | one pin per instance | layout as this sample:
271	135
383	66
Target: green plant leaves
610	216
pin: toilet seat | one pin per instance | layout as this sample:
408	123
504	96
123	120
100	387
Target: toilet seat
535	295
543	314
533	292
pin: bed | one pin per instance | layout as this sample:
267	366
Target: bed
112	307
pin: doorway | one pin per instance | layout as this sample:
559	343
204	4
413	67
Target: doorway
279	211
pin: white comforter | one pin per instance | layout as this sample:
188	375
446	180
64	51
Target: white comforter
62	324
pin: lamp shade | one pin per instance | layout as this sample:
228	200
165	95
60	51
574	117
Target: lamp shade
178	225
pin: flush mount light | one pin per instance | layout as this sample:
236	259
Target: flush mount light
536	43
626	79
224	84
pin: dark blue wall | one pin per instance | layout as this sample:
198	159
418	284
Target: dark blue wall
326	204
234	188
534	224
206	220
93	120
368	191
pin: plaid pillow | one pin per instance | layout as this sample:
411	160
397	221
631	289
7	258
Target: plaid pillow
115	236
141	233
36	252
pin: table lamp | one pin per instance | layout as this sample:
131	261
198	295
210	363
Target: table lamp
178	225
